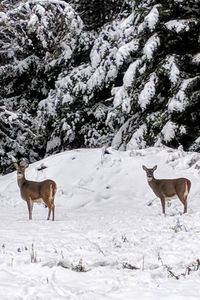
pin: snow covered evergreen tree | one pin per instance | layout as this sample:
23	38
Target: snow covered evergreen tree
38	39
160	85
132	83
137	85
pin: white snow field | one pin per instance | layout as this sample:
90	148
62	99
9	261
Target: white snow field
106	241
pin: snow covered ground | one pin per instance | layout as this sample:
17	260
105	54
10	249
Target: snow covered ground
106	241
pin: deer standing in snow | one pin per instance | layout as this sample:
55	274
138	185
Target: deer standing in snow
35	191
167	189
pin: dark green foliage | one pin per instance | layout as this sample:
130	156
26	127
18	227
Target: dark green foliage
95	13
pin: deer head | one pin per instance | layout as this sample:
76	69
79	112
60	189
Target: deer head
20	166
149	172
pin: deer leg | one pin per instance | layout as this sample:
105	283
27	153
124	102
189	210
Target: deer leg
53	211
185	207
184	201
49	211
162	199
30	208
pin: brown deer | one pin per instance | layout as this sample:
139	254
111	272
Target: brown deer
35	191
167	189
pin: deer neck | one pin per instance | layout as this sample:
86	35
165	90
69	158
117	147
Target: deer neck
20	179
151	181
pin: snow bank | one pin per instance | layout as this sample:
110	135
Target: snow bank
109	240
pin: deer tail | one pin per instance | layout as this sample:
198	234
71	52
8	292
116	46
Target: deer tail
187	187
53	189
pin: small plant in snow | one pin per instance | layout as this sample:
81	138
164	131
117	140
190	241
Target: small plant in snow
12	262
124	238
193	267
79	267
33	254
179	227
118	243
62	255
74	267
129	266
168	268
3	248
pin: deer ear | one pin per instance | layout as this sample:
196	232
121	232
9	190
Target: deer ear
16	165
155	167
144	168
24	163
14	161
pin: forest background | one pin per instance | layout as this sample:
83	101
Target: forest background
76	74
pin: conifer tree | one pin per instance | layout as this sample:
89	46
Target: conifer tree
129	76
38	40
136	87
